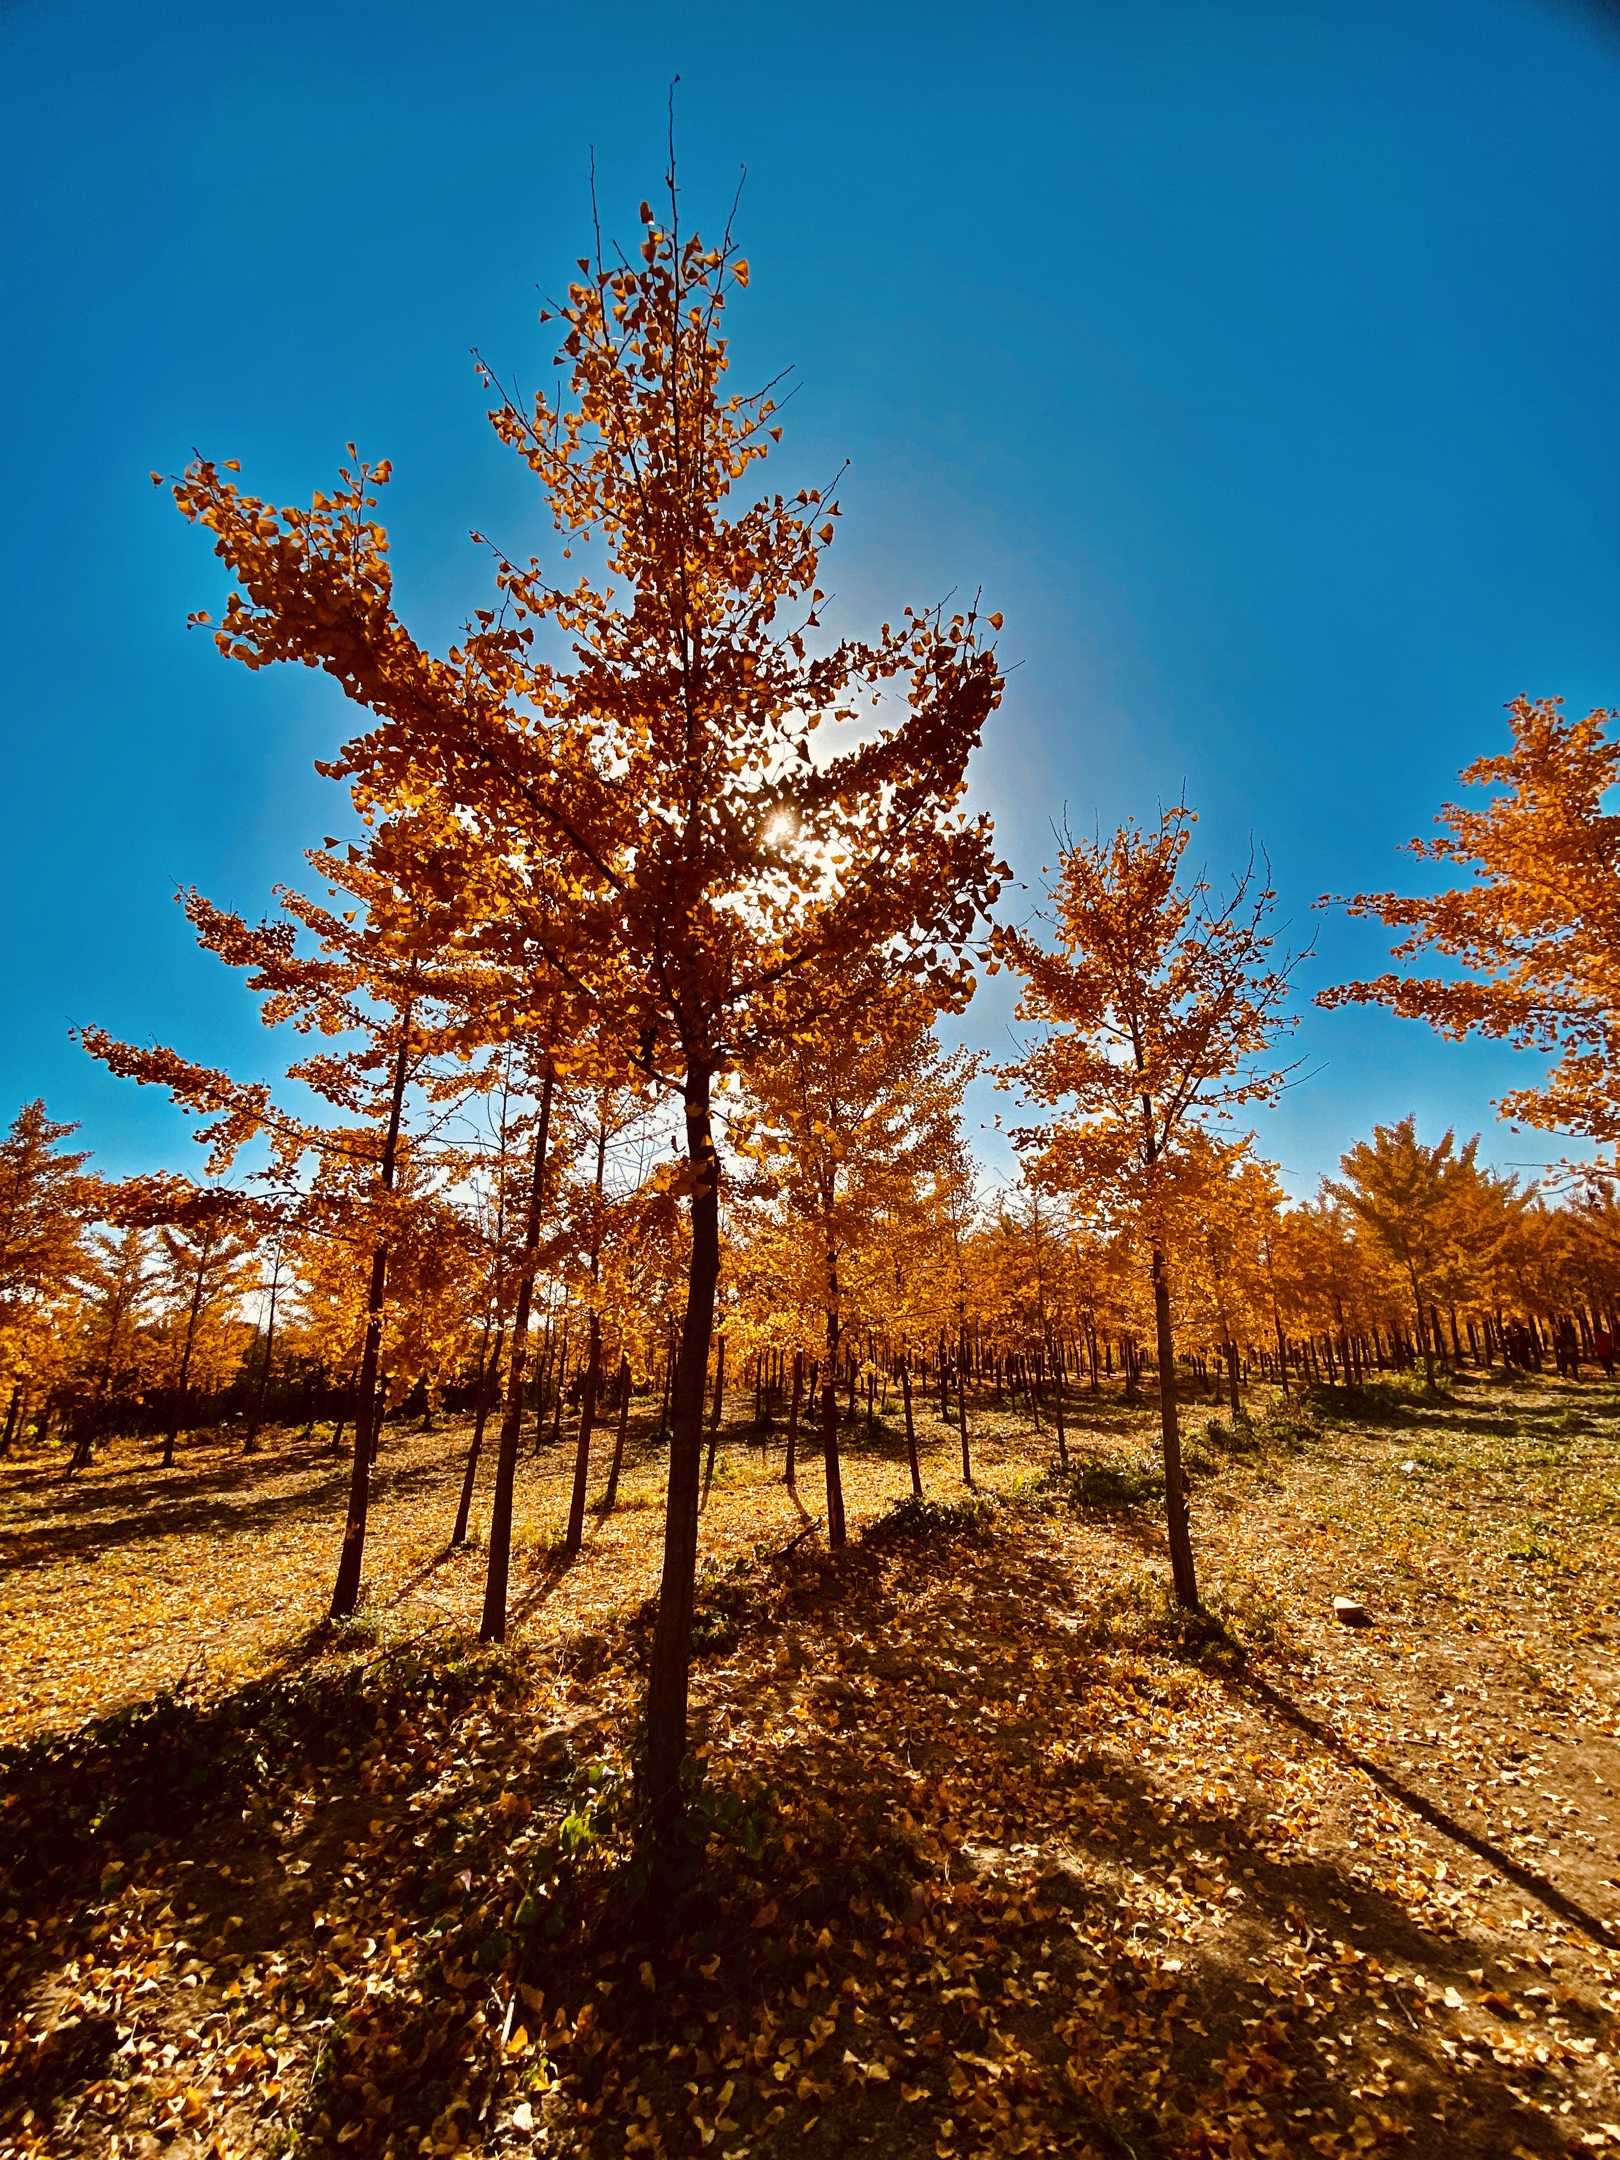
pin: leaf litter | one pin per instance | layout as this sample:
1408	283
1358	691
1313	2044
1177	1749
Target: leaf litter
991	1850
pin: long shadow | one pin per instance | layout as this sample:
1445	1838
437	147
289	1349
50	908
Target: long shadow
1527	1879
548	1575
1305	1900
203	1502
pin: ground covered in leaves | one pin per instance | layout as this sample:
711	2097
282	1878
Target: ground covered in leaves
992	1852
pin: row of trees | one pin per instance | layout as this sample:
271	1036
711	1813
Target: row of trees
855	1241
651	848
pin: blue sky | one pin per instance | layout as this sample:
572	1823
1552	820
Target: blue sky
1257	360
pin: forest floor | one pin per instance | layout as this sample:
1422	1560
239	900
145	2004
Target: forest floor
993	1851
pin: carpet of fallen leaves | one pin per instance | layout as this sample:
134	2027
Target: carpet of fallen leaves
992	1852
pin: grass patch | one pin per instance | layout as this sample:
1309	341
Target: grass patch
1109	1488
922	1521
1236	1438
1396	1401
1142	1614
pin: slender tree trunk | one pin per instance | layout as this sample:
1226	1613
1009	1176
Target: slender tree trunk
672	1638
790	1473
250	1444
962	1417
12	1408
1057	1404
490	1374
593	1367
557	1400
173	1432
836	1532
346	1590
911	1430
582	1453
1175	1486
833	1466
1233	1377
610	1499
498	1573
714	1416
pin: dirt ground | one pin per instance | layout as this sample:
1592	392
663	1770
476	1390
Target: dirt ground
996	1852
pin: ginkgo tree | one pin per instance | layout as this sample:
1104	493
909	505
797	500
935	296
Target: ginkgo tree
1535	929
387	993
650	820
46	1202
1415	1202
851	1131
1158	1003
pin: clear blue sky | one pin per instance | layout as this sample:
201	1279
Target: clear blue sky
1258	358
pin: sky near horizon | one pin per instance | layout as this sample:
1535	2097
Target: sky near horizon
1258	360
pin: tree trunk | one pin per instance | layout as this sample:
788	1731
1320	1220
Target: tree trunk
961	1416
346	1590
714	1417
582	1453
610	1499
1175	1486
790	1474
911	1430
836	1532
1057	1404
250	1444
672	1638
491	1372
1232	1379
498	1574
173	1432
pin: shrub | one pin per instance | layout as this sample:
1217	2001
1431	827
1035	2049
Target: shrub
1109	1487
914	1521
1238	1438
1142	1612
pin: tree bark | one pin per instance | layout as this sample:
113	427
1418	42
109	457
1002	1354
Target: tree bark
961	1416
1175	1484
610	1499
834	1468
714	1417
593	1369
911	1430
836	1530
250	1443
790	1473
173	1433
491	1372
672	1638
582	1452
1057	1403
346	1590
498	1574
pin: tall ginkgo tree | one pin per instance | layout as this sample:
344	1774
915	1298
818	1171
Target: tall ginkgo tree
635	752
385	992
1157	1003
